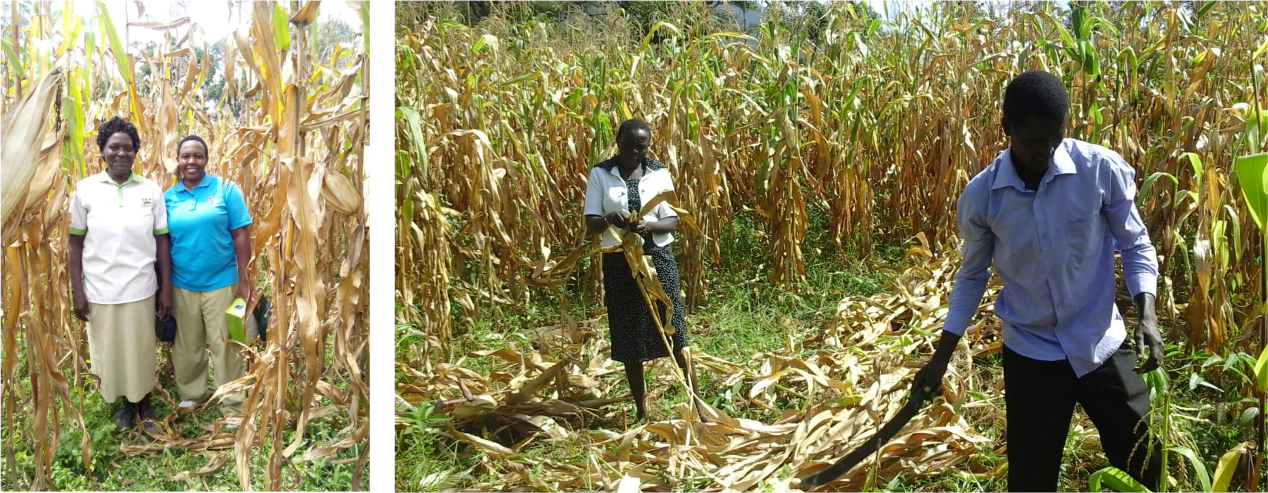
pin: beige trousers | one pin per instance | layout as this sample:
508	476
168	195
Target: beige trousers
201	326
121	348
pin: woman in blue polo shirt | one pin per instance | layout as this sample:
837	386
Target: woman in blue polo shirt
211	249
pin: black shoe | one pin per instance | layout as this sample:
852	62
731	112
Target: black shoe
148	422
123	417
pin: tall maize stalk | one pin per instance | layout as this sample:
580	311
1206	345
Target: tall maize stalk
296	151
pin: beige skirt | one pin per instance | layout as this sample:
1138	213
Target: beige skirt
122	349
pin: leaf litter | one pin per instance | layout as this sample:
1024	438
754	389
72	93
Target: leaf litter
832	391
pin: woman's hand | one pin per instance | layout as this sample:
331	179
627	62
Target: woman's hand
639	227
79	301
244	291
164	303
620	219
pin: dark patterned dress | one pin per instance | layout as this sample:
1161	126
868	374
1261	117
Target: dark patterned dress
633	333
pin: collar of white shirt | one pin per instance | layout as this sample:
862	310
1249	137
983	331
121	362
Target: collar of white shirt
649	165
1006	175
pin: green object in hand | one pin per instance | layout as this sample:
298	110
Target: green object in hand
233	316
1250	173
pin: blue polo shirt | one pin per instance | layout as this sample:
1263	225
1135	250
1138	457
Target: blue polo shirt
199	222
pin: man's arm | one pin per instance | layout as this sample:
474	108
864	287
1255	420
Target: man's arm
1140	260
970	284
975	271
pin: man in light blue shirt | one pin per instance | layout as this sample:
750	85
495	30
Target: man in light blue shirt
1048	214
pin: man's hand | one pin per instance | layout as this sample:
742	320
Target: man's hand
1147	335
930	377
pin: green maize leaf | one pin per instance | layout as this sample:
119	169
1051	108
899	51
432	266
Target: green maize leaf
1116	479
1250	174
1250	413
281	33
1206	6
365	25
1237	229
120	56
1195	163
1128	57
1108	26
71	27
487	39
1261	371
90	47
1260	51
414	122
647	40
112	37
1078	21
13	57
1204	477
871	28
1148	184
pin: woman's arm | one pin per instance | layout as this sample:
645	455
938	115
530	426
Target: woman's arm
242	251
595	225
75	253
593	207
163	262
666	225
79	301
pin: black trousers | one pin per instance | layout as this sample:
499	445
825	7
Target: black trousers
1040	397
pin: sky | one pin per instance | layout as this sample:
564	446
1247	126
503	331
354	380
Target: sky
888	9
896	6
213	17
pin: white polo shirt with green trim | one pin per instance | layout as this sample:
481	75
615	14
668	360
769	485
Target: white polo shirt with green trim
118	222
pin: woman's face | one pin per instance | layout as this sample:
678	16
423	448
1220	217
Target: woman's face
119	154
192	158
632	145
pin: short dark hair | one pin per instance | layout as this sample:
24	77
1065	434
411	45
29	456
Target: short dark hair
1035	93
632	125
114	126
206	150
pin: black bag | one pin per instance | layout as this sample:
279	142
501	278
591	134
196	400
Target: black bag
164	329
262	313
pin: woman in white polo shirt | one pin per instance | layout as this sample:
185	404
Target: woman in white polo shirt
618	187
118	236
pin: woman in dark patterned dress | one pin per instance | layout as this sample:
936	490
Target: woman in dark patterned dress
618	188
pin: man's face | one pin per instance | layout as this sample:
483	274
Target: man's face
1034	141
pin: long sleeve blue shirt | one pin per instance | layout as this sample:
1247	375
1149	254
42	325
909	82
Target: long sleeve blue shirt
1054	249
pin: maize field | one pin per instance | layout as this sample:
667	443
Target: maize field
874	123
289	128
